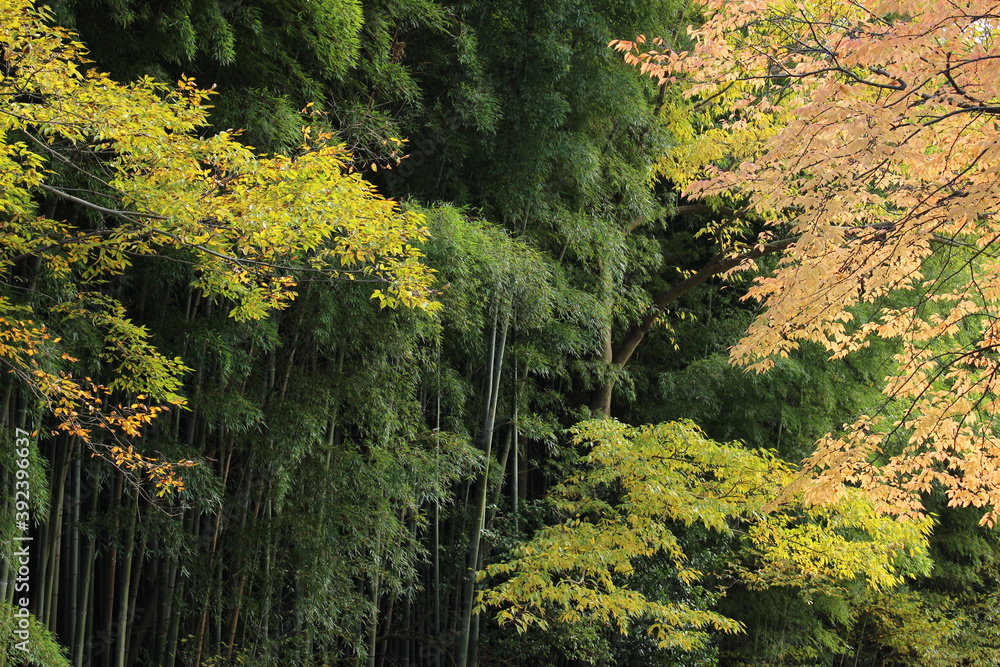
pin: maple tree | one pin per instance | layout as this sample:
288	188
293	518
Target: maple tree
637	486
864	135
142	182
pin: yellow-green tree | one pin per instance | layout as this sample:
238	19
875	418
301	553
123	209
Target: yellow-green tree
636	490
137	179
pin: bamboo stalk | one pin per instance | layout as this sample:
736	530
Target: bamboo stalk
437	519
74	551
57	533
44	542
189	517
466	642
126	578
138	636
137	565
165	612
373	623
84	619
109	591
175	625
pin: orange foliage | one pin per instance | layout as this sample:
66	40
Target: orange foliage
888	148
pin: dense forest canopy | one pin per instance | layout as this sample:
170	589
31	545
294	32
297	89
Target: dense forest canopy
411	332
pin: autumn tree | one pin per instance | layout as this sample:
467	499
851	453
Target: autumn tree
638	487
869	139
135	180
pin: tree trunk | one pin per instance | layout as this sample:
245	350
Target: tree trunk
601	398
109	590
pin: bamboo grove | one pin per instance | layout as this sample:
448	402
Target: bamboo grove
399	333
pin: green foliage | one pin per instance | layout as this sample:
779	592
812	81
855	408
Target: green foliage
638	486
787	409
38	494
39	649
334	439
270	57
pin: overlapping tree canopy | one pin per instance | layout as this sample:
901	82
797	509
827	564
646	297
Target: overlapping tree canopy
874	140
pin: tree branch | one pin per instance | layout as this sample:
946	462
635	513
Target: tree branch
127	216
134	218
720	264
715	266
992	110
